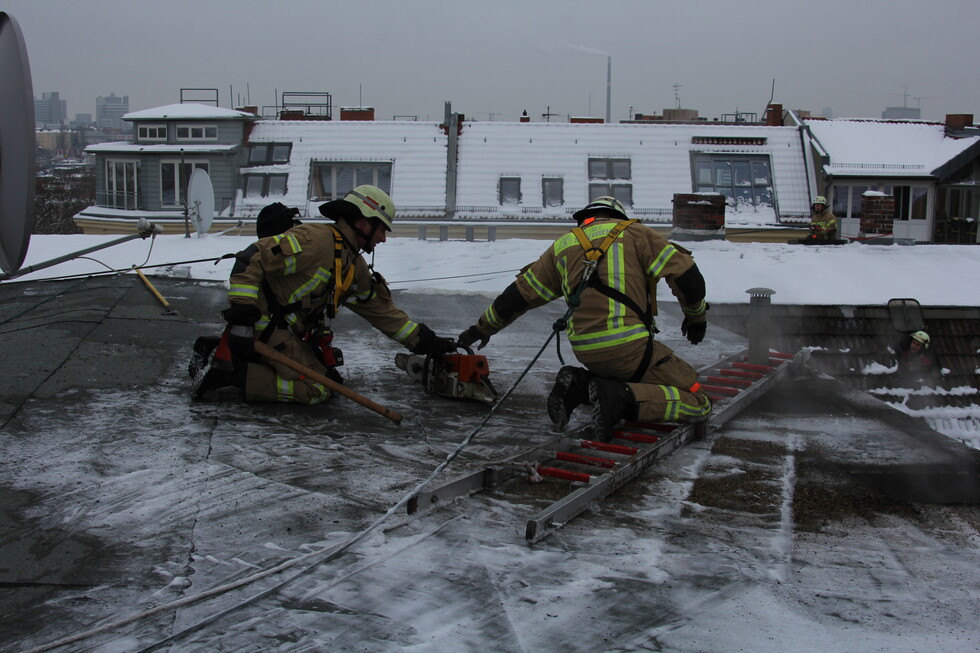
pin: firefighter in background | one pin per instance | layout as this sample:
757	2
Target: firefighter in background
823	223
916	361
628	374
283	286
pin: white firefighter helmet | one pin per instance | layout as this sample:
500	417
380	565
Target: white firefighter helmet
820	199
364	201
604	202
921	337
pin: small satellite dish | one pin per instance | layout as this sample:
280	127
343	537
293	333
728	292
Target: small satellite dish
200	200
18	148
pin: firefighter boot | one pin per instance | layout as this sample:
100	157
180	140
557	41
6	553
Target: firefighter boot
570	391
203	347
612	402
215	377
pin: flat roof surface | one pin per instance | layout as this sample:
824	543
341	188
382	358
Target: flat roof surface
121	499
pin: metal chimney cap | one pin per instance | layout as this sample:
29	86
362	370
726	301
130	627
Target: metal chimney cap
761	292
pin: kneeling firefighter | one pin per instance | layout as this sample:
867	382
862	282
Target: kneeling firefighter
283	286
628	374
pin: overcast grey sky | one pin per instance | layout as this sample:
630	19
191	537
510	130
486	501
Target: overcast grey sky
499	57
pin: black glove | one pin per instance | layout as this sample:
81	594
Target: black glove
471	335
694	330
432	345
241	332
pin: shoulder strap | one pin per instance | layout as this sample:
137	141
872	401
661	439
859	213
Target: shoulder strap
340	286
594	253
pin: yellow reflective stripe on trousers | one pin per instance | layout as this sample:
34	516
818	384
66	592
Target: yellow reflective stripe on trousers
406	331
284	389
657	267
673	397
243	290
539	288
608	338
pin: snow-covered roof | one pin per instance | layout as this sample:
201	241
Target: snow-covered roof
417	151
878	148
660	158
188	111
134	148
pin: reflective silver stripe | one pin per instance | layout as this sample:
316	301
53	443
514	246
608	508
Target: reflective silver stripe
243	290
607	338
373	204
490	316
406	331
321	276
660	262
696	310
539	288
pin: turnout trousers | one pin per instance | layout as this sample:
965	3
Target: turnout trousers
271	381
667	391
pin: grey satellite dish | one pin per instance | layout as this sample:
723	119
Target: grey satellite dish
200	201
18	148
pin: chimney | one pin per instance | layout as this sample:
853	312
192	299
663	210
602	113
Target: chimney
357	113
525	117
957	122
774	115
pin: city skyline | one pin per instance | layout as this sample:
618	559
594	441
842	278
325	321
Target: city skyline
495	60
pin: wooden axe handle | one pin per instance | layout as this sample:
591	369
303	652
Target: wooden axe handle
268	352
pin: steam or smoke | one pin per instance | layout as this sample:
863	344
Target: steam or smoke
551	47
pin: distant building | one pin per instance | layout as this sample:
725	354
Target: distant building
82	120
110	110
50	110
901	113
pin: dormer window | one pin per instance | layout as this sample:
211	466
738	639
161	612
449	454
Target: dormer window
197	133
262	154
155	133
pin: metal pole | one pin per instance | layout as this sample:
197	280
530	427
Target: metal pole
760	317
146	229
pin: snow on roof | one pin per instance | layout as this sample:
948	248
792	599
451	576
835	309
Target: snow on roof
159	148
416	150
187	111
660	159
873	148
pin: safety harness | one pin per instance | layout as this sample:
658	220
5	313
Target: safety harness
278	312
593	254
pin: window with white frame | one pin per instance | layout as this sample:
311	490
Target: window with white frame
509	191
264	185
552	192
155	133
260	154
333	179
611	177
174	177
121	186
193	132
744	179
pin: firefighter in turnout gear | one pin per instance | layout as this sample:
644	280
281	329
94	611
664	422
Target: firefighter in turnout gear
628	374
283	287
823	223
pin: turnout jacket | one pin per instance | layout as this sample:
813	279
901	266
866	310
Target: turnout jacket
824	221
292	277
632	265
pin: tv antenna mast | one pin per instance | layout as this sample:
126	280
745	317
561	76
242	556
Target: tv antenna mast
677	97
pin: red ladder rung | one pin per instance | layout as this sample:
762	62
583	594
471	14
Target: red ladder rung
741	374
752	366
729	381
777	354
636	437
731	392
594	461
608	448
566	474
651	426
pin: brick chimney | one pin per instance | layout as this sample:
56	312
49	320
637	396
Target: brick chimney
357	113
699	211
957	122
525	117
774	115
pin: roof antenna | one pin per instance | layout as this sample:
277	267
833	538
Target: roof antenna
772	94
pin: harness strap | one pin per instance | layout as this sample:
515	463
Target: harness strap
340	286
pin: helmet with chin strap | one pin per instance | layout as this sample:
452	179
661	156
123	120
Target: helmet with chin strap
364	201
921	337
602	203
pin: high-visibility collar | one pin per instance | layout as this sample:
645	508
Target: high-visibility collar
592	252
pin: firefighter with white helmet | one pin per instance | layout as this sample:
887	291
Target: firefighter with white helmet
823	223
628	374
917	362
284	287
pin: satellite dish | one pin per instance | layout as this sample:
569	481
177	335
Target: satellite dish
18	148
200	200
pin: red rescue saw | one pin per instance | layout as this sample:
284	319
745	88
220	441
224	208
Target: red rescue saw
457	376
